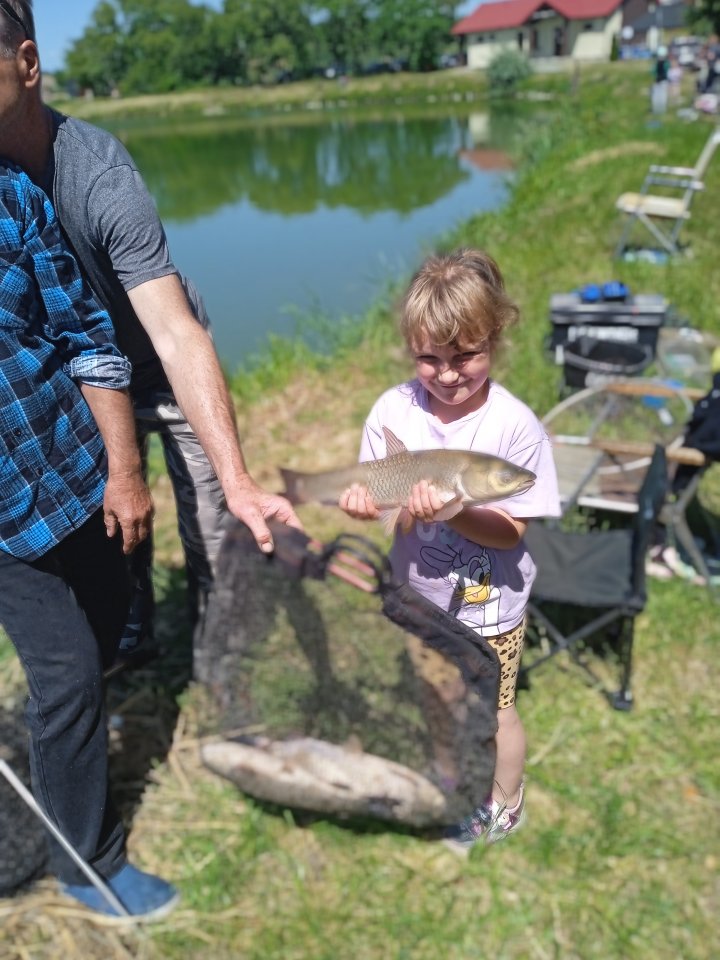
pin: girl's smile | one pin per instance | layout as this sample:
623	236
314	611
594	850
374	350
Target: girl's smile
455	376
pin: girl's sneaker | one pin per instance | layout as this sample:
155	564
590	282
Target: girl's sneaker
492	821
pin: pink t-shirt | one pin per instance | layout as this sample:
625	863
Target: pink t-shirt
486	588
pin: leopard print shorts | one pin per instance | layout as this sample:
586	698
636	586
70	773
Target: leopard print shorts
509	648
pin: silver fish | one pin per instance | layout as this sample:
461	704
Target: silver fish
461	477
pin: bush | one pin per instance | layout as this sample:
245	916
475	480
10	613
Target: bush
505	71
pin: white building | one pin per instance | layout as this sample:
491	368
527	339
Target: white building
574	29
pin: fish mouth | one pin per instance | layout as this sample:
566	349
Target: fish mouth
525	484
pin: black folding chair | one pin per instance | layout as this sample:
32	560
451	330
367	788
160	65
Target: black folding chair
597	574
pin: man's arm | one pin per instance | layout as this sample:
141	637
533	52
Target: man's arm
127	503
190	362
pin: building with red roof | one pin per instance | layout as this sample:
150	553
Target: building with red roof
576	29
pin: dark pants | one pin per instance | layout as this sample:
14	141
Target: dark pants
64	614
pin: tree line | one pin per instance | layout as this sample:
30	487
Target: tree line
156	46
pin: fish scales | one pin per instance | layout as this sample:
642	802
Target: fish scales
390	481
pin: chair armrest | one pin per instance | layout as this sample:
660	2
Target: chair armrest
672	171
678	183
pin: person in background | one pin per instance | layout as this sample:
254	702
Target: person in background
659	89
712	65
178	388
72	503
675	75
473	564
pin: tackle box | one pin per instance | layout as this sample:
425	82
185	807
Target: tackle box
634	320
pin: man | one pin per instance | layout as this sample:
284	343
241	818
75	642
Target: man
110	220
64	495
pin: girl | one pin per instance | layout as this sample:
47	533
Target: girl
475	564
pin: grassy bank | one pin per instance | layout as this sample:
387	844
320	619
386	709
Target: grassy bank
620	856
312	95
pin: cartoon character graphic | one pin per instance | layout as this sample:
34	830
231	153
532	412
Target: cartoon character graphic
473	600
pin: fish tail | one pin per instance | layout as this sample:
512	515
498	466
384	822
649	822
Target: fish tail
293	485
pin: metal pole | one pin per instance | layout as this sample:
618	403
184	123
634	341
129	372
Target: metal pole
99	884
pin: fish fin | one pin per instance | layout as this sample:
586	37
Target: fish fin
451	509
389	519
398	516
406	520
393	444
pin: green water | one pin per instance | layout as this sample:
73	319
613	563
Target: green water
280	221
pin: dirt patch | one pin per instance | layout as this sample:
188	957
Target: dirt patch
631	148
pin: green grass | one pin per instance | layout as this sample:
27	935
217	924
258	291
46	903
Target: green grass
621	853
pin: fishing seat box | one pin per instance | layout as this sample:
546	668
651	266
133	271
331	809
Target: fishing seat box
634	320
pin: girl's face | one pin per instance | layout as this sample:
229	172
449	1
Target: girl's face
455	376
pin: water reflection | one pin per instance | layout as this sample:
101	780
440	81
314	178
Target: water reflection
318	215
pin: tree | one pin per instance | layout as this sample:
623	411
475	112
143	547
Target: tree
506	70
344	26
707	11
139	46
97	60
272	38
416	31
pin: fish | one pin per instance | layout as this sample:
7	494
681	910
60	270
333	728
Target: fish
310	774
461	477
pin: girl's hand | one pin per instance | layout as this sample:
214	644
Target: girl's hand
424	502
358	503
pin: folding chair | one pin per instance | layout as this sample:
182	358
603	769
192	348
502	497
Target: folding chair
664	214
600	573
702	434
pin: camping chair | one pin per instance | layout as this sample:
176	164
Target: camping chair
598	572
702	435
664	214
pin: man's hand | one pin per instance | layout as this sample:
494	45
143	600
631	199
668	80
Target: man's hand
128	507
255	506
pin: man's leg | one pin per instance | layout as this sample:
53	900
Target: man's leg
63	661
199	498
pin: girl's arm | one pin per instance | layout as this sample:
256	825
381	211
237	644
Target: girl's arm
490	526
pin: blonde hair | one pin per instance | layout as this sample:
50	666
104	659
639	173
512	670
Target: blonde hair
457	298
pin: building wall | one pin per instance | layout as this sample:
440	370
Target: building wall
542	38
594	44
481	48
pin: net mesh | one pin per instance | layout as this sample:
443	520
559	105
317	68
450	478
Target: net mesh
291	651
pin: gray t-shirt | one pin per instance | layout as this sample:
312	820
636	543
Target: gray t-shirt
112	225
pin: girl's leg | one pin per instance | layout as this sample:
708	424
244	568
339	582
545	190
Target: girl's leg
510	763
510	738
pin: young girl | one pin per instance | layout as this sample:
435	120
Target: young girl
475	565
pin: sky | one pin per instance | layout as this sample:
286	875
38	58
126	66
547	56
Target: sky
59	22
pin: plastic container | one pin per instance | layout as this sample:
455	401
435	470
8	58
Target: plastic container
686	356
634	320
589	362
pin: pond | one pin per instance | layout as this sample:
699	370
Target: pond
280	222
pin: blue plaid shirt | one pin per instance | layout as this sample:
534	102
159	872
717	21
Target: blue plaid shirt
52	333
